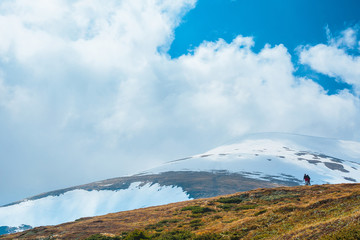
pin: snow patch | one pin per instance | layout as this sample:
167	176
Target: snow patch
78	203
106	185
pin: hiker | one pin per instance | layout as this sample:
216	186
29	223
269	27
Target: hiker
307	179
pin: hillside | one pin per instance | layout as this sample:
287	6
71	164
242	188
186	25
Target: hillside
301	212
263	160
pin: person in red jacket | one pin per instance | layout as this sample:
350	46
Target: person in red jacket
307	179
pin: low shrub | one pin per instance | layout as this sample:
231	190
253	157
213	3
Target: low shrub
175	235
162	223
197	209
215	217
245	207
196	223
226	206
233	199
260	212
101	237
137	235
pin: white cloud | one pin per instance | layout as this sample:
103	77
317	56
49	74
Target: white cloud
346	39
95	97
236	90
115	34
334	60
14	99
349	38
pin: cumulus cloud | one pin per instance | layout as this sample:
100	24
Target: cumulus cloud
96	95
79	76
243	91
335	60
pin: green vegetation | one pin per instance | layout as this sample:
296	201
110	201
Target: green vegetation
137	235
226	206
196	223
197	209
162	223
102	237
246	207
171	235
260	212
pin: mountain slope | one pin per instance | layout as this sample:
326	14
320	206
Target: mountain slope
302	212
254	161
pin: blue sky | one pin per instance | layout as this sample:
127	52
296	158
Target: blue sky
292	23
92	91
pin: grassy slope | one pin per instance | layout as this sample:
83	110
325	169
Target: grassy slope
303	212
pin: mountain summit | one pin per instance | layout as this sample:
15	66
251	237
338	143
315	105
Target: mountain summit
254	161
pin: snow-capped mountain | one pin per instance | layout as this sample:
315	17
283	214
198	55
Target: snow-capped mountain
258	160
280	158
